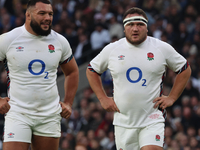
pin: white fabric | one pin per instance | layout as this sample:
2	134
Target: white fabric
33	70
137	79
20	127
127	139
133	19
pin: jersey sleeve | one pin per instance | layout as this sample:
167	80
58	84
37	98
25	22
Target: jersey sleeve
100	63
3	47
66	50
174	60
6	39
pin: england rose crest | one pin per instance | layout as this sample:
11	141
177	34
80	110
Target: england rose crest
51	48
150	56
157	137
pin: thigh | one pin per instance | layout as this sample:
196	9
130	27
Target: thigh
126	139
17	128
44	143
15	146
152	137
151	147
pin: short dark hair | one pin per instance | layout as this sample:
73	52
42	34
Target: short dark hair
33	2
135	10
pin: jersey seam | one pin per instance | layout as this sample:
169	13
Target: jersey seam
113	48
57	39
14	40
156	47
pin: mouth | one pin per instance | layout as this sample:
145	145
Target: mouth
45	25
135	35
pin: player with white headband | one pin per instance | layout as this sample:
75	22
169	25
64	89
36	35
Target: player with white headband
137	64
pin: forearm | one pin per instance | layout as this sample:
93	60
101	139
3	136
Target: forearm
71	86
180	83
96	84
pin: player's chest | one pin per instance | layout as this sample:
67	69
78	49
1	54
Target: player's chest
21	54
146	61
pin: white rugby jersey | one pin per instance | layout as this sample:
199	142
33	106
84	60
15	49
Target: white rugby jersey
32	63
137	73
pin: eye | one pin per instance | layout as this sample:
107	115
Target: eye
141	24
130	24
41	13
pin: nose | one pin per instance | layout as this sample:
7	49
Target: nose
135	28
48	17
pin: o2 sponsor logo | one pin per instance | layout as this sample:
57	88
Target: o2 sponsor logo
42	69
139	75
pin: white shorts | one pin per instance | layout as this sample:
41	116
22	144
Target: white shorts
136	138
20	127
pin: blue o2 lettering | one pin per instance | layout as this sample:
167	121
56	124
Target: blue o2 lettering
144	82
46	77
128	74
139	77
42	69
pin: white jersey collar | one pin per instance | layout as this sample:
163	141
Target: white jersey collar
134	46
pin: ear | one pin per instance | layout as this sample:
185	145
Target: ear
28	15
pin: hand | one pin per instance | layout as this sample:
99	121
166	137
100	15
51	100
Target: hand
4	105
163	102
109	105
66	110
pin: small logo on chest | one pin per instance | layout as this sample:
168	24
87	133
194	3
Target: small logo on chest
121	57
150	56
20	48
51	48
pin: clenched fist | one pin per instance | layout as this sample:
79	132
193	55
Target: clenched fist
4	105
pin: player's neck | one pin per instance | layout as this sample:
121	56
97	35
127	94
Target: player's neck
29	29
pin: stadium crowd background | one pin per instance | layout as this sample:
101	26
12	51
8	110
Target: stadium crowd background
91	24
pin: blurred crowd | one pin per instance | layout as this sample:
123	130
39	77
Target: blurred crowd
89	25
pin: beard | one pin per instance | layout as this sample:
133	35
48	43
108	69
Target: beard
38	30
137	42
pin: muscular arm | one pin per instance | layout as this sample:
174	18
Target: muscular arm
180	83
71	74
96	84
178	87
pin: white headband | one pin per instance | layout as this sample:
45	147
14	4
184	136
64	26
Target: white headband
135	19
